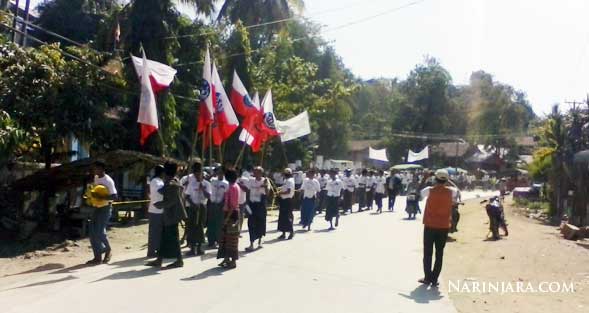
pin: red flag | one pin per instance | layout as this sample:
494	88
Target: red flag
226	121
161	76
261	125
243	104
206	111
147	117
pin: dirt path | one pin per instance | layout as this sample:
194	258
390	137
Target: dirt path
532	253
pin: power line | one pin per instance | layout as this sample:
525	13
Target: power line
349	24
279	21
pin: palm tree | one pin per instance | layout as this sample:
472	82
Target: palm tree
252	12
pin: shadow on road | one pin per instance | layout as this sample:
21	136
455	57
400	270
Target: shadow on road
215	271
422	294
40	268
44	283
131	274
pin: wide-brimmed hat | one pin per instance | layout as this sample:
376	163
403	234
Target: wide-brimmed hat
442	175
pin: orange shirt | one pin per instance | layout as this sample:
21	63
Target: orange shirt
438	208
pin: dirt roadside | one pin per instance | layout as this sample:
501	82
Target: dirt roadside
533	253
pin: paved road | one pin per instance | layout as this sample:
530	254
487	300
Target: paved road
370	264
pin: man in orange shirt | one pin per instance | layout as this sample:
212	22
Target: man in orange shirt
437	222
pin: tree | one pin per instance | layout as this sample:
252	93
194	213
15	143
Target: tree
55	97
11	137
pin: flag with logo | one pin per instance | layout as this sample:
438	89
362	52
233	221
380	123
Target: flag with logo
206	110
225	122
243	104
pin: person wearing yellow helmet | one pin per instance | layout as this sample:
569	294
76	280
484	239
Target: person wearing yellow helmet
101	196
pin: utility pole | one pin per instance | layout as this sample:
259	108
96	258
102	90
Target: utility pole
14	20
25	28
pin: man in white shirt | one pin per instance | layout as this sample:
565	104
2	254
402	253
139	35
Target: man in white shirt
361	190
379	189
310	188
156	224
285	216
215	208
242	182
334	192
197	193
349	188
322	178
101	216
256	222
370	189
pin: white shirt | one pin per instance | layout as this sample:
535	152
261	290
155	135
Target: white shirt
219	189
243	195
323	181
154	195
289	184
369	182
310	188
257	189
349	183
455	193
193	190
278	178
107	182
380	183
298	177
361	181
334	187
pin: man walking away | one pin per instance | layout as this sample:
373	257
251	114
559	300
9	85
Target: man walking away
437	222
101	214
156	224
256	222
394	186
362	190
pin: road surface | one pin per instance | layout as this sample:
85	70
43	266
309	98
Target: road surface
371	263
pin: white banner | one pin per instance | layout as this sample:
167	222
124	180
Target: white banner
378	155
294	128
414	157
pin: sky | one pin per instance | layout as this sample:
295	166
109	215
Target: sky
538	46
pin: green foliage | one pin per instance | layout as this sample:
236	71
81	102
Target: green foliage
54	97
11	137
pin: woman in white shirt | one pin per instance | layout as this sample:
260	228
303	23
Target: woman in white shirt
309	188
379	190
285	216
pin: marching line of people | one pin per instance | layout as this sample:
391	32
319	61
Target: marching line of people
213	210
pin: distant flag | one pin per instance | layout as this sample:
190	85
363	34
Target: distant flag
147	118
226	121
161	76
206	110
268	118
243	104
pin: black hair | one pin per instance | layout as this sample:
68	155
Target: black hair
158	170
196	167
231	175
364	171
441	181
100	163
170	168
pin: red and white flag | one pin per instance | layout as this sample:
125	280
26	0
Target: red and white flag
245	136
243	104
226	121
147	118
206	110
161	76
261	127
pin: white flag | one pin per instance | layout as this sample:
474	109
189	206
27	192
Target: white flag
147	117
295	127
377	155
418	156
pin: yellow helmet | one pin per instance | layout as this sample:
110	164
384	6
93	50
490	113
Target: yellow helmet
97	196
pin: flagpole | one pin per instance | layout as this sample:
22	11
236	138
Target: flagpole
221	153
283	150
263	153
242	152
211	145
